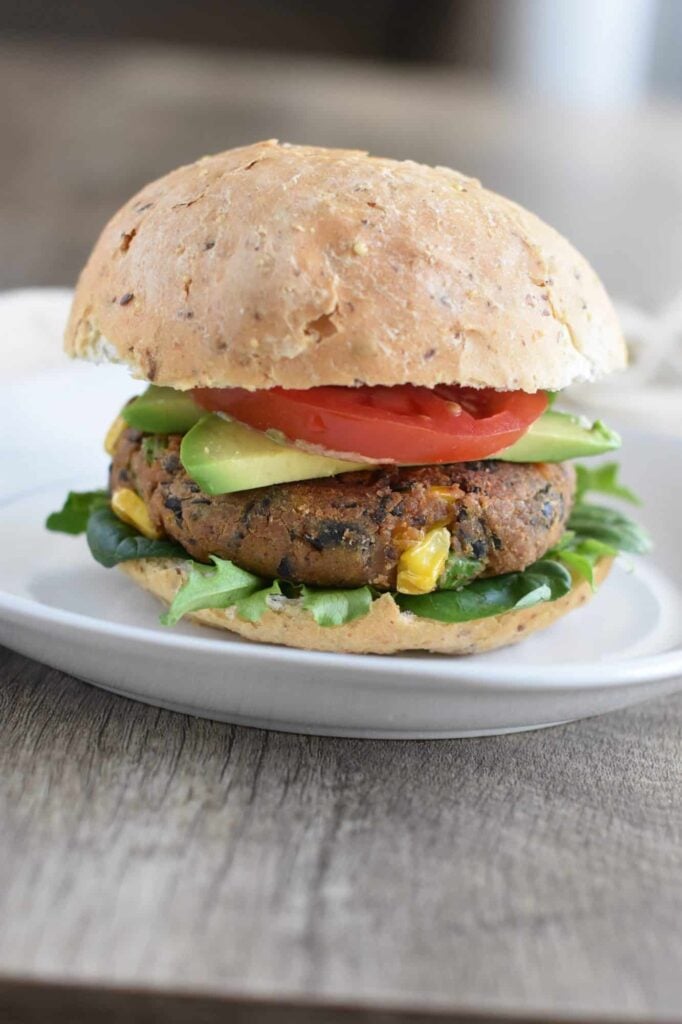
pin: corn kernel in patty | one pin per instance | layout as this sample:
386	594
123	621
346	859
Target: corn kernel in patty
422	563
113	435
130	508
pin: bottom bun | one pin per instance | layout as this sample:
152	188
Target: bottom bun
384	630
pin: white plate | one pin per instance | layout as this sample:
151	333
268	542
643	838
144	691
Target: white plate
60	607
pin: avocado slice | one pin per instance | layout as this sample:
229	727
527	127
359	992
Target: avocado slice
557	436
162	411
223	457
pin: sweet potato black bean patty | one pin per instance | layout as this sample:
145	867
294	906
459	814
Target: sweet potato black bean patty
350	530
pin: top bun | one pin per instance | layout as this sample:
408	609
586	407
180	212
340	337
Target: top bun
300	266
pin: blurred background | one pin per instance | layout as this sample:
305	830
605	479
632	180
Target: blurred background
572	107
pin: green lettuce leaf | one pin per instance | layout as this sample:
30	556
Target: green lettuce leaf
602	479
546	580
74	514
253	606
336	607
112	541
217	586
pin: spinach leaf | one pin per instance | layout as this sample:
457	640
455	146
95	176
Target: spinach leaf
73	515
112	541
610	527
458	571
581	555
546	580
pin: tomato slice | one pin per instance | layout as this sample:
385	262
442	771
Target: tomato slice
405	424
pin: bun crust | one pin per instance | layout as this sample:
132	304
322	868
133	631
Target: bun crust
299	266
385	630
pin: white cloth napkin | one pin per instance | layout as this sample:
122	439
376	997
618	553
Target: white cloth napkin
647	395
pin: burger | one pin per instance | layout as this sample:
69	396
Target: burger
348	441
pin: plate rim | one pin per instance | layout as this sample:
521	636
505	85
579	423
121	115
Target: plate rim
578	675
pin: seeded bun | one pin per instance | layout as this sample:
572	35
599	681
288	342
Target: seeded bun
385	630
299	266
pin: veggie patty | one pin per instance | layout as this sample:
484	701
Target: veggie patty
350	530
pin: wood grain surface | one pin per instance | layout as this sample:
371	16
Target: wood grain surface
536	873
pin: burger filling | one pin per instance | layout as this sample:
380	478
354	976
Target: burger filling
354	529
460	503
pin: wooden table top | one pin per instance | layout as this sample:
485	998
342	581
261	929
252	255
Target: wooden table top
158	868
539	873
